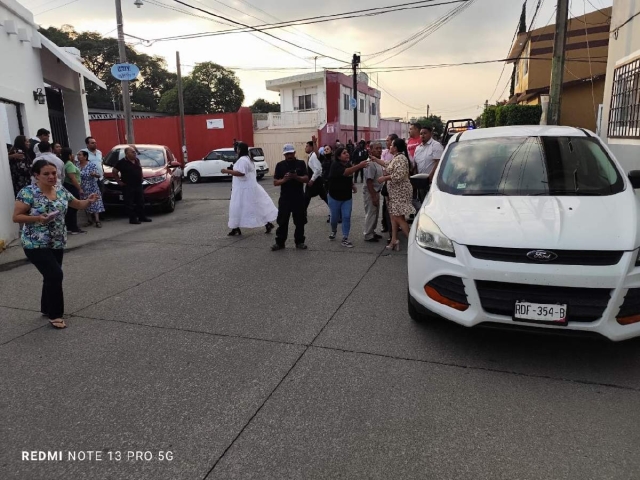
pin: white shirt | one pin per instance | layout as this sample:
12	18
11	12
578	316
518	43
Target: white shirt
35	142
51	158
315	166
96	159
427	156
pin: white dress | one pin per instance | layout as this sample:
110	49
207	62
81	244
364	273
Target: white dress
250	205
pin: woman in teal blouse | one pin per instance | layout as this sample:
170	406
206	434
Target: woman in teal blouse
42	207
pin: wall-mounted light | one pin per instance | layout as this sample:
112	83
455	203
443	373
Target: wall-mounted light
39	96
138	3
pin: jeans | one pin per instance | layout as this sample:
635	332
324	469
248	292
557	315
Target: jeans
71	218
288	207
134	201
341	209
48	261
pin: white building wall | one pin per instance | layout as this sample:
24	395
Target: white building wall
76	115
22	73
624	47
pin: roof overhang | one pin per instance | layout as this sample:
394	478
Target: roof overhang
69	61
278	83
518	47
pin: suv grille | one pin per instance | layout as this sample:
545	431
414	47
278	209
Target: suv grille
583	304
565	257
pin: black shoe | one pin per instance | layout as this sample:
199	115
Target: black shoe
234	232
146	220
385	230
332	235
269	226
135	221
301	246
379	237
276	247
373	240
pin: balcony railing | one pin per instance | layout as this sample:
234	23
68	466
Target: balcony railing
297	119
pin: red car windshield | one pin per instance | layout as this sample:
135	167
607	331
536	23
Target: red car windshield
149	157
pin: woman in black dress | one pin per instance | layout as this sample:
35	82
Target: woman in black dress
20	163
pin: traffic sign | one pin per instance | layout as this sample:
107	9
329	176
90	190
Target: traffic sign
125	71
353	103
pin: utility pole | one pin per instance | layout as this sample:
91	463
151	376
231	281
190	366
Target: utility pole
557	64
126	99
428	110
183	131
354	65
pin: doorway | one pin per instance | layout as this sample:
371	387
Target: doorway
57	117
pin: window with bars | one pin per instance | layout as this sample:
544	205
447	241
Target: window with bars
374	109
305	99
346	101
363	108
624	116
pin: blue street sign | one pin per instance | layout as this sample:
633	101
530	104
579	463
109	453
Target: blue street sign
353	103
125	71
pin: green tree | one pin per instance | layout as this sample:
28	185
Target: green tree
227	96
263	106
197	99
433	121
100	54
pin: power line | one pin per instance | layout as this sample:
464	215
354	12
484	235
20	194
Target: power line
255	29
319	19
55	8
599	10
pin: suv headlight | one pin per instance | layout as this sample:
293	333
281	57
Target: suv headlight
155	180
430	237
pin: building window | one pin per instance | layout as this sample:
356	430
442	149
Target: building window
374	109
363	108
345	101
624	117
305	99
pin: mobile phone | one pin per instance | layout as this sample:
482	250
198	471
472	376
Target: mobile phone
52	215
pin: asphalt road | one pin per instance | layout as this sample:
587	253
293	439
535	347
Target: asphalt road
245	363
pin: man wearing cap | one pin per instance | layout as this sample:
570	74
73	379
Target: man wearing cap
290	175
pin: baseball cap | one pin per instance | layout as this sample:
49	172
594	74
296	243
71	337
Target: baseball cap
288	148
321	150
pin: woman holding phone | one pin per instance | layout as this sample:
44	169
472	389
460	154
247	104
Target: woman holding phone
42	207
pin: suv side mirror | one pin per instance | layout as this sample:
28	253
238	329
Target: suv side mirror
175	164
634	177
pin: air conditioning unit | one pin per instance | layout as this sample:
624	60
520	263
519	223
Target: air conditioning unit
10	27
23	36
35	41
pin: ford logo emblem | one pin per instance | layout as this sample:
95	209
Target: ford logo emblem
541	256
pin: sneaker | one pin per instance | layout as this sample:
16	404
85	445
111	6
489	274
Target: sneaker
332	236
146	220
276	247
301	246
346	243
134	222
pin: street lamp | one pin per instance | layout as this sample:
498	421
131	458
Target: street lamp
138	3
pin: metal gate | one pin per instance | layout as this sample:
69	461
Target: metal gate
56	117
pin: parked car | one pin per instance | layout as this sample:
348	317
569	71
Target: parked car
529	226
216	160
162	176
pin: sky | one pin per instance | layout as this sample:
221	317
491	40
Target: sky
483	31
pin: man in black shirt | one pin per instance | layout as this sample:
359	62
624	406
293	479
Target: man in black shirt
128	172
290	175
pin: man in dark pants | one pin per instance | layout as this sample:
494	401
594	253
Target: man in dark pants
128	173
291	175
359	155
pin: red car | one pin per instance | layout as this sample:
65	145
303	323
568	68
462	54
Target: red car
161	171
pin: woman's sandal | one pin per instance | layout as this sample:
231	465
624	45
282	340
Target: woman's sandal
59	323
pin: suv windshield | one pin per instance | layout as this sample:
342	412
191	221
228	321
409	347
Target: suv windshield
529	166
256	152
149	157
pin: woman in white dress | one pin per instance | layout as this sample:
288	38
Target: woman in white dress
250	205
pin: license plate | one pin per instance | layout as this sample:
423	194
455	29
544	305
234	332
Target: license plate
540	312
121	198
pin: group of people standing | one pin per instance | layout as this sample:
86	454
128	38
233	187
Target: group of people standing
332	176
81	174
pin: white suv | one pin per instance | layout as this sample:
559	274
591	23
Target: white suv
217	160
532	226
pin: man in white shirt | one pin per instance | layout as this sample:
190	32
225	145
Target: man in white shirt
315	187
46	154
95	157
427	156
